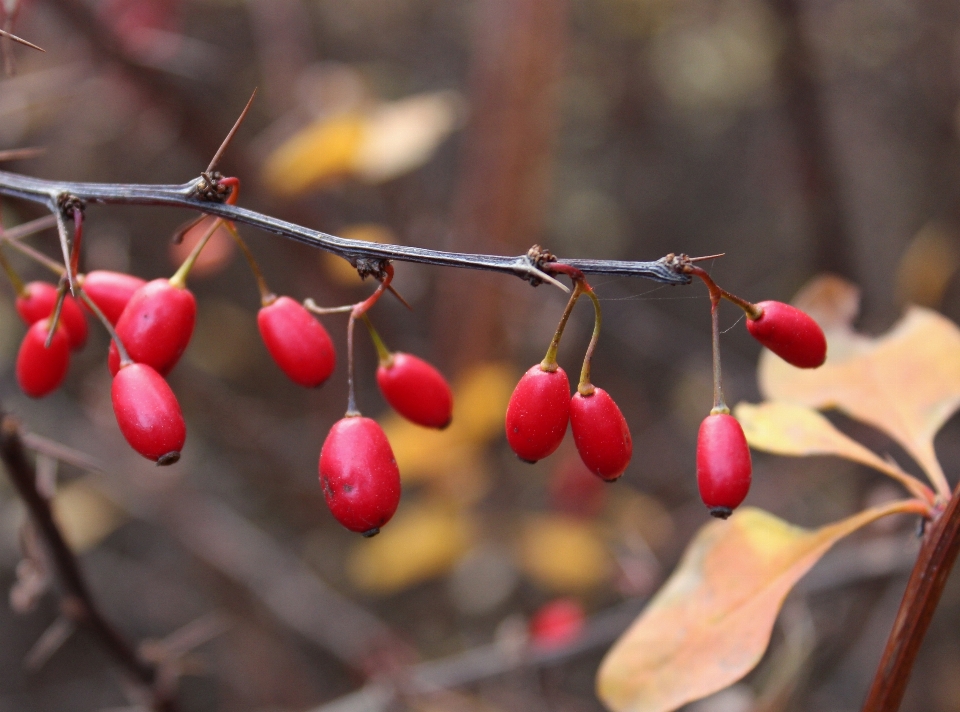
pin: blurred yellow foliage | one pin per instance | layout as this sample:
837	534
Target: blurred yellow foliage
391	139
422	541
85	515
563	553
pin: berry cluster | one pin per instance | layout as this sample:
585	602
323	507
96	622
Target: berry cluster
151	323
541	406
724	468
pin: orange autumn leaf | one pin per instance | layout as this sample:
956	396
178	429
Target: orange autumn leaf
905	382
711	622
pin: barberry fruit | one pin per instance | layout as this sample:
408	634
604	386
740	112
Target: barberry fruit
148	413
40	369
155	326
359	475
790	333
298	343
110	291
538	413
557	623
723	464
39	302
600	433
416	390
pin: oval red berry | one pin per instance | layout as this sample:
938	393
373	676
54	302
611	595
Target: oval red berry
790	333
601	434
156	326
557	623
148	413
359	475
724	467
416	390
39	369
538	413
39	303
110	291
297	342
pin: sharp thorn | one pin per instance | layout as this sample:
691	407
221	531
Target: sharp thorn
705	257
395	293
547	278
226	142
18	154
4	33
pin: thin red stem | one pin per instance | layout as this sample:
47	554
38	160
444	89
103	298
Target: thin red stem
359	310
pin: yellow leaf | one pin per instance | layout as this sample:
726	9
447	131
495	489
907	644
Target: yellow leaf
320	152
402	135
928	265
711	622
563	553
906	382
791	429
85	515
421	542
480	401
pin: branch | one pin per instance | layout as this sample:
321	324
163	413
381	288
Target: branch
927	579
48	193
79	604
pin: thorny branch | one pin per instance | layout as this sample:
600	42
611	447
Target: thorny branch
78	603
50	194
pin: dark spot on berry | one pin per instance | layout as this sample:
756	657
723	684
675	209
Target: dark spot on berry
348	488
325	485
721	512
169	458
529	462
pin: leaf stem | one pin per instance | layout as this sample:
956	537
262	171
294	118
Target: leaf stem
924	588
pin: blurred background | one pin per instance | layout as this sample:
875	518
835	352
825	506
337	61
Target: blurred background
795	136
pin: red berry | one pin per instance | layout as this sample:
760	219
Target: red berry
110	291
600	433
297	342
416	390
39	369
723	464
359	475
557	623
156	326
39	303
790	333
148	413
538	412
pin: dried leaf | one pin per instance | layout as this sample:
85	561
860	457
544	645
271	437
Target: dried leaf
562	553
423	541
795	430
321	152
906	382
402	135
384	143
711	622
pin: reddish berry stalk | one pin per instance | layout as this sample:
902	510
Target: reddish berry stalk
790	333
110	291
724	467
359	475
148	413
40	370
297	342
38	301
